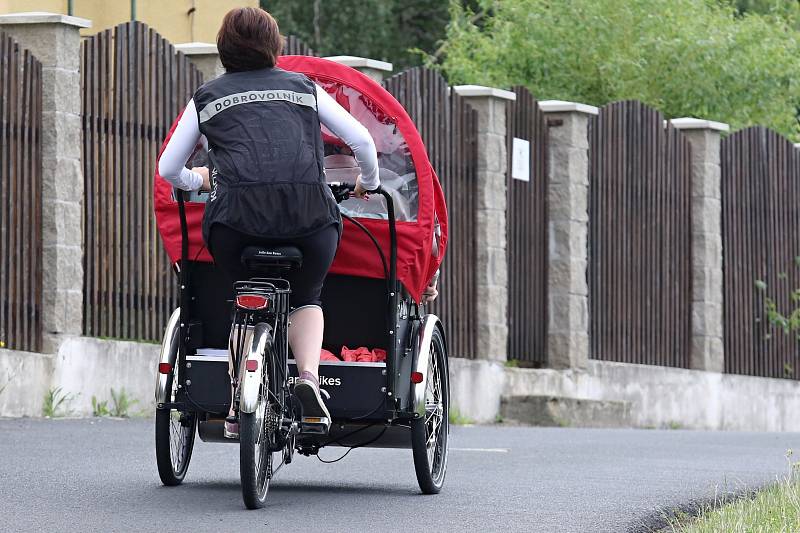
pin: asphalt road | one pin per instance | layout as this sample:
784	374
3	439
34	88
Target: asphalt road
100	475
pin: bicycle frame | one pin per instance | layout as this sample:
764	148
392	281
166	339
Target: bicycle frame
275	318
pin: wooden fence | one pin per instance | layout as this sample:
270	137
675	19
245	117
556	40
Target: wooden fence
640	264
134	85
449	129
20	197
295	47
527	231
761	241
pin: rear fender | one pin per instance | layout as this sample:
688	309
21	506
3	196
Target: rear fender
422	351
251	382
169	354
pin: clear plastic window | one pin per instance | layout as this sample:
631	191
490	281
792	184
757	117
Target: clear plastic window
396	167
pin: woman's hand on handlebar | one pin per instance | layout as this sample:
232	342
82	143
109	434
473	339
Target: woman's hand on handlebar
359	191
203	171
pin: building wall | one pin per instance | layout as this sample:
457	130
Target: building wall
171	18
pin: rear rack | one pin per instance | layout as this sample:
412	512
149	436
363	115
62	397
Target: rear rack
262	285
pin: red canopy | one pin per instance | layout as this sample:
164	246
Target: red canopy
405	171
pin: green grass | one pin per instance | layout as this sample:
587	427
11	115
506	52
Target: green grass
121	404
100	408
457	419
56	403
773	509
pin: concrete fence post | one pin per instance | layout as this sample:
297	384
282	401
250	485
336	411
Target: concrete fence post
708	352
205	57
568	230
373	68
55	41
491	268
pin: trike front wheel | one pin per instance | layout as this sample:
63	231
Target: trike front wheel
175	431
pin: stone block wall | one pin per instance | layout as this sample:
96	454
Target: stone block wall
707	315
568	227
55	41
491	266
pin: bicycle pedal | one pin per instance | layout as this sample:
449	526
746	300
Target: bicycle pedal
315	425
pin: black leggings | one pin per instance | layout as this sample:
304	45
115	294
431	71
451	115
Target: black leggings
318	250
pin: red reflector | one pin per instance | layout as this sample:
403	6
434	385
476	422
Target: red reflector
164	368
252	301
252	365
417	377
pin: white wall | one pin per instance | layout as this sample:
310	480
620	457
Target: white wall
658	396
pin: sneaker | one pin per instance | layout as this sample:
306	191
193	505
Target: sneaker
307	390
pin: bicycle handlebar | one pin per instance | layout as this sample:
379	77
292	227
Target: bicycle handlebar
341	190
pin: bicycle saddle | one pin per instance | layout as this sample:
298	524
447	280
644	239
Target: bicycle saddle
271	257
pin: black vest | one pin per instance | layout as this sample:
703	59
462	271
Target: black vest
265	154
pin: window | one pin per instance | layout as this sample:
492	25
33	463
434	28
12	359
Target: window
396	167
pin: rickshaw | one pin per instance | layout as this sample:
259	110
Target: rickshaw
392	246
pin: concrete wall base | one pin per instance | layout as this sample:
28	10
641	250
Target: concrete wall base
82	368
475	388
86	367
24	381
565	412
672	397
650	396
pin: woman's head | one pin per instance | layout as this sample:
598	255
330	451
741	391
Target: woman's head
249	39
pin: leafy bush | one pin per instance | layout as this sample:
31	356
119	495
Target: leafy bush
379	29
685	57
788	320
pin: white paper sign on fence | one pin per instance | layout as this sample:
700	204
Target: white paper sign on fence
520	159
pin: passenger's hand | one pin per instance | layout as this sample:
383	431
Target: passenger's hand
359	192
430	293
203	171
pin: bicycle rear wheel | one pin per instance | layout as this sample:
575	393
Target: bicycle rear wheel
256	432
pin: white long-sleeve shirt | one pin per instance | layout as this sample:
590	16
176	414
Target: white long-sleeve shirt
187	134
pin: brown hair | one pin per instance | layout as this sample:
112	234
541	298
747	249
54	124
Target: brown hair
248	39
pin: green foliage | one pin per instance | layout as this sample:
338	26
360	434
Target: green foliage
774	509
786	8
100	408
787	321
390	30
55	403
121	403
455	417
685	57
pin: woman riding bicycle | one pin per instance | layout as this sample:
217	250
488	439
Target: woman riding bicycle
267	183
